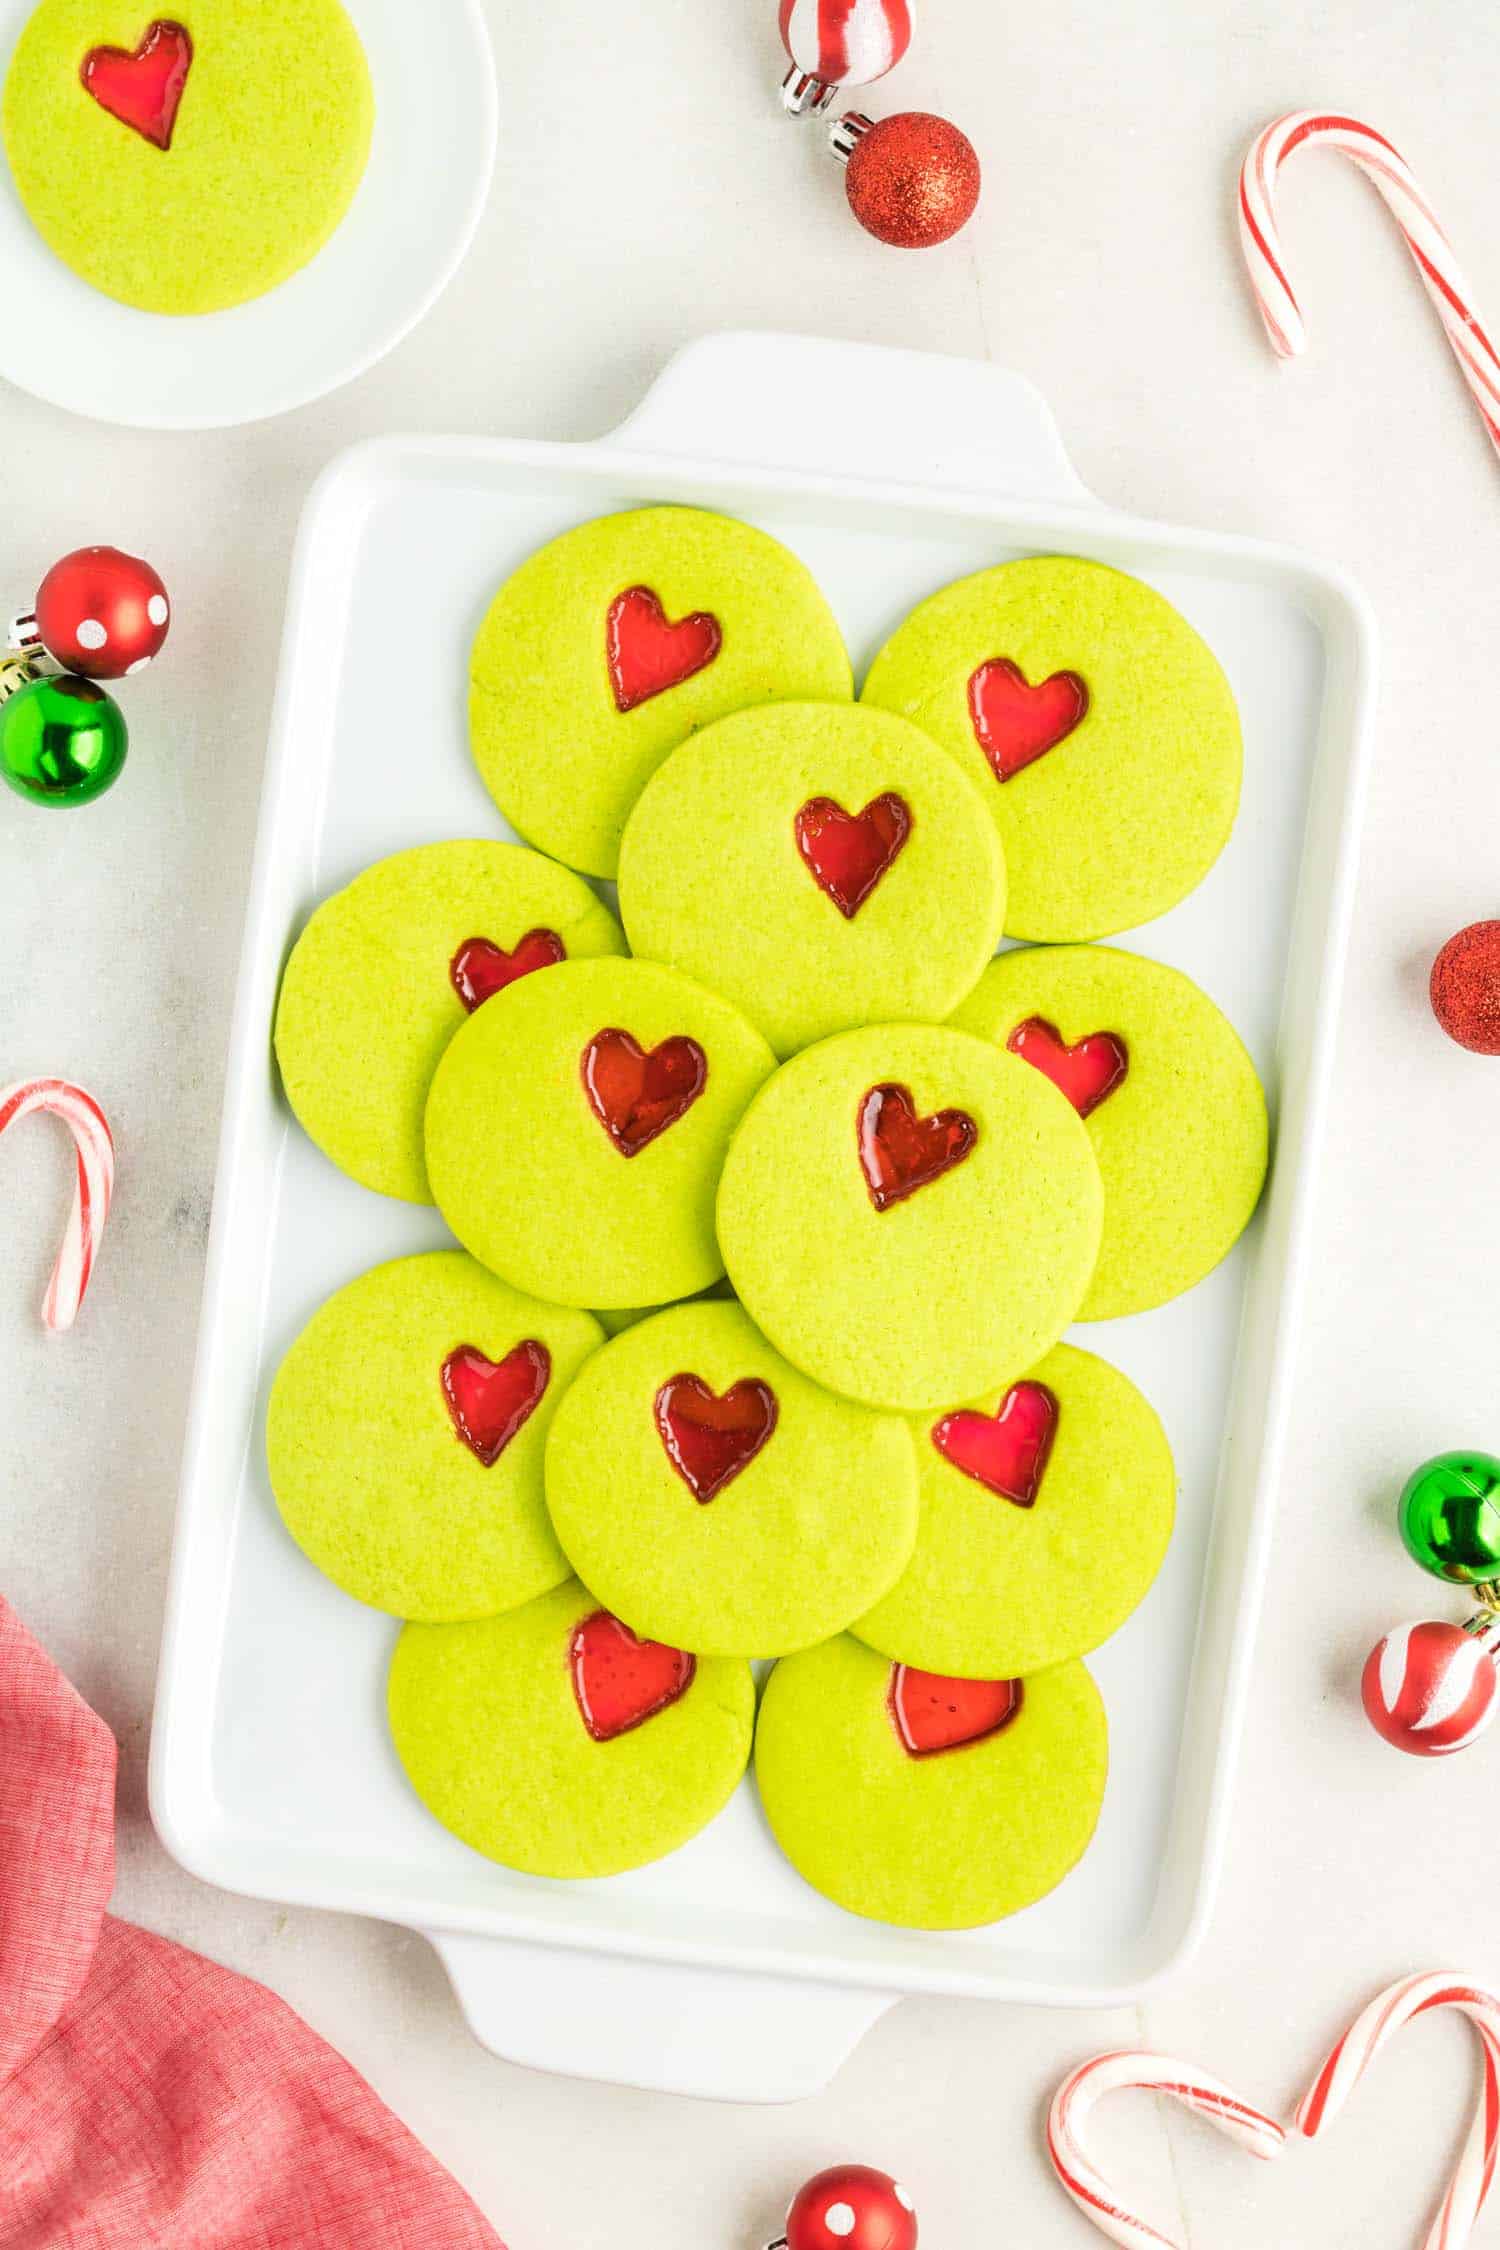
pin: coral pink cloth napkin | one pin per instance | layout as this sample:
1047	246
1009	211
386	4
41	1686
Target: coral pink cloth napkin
150	2100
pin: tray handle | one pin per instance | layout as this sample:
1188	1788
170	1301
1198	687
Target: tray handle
710	2033
814	405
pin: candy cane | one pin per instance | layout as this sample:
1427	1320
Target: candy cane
1110	2074
1430	248
96	1178
1362	2042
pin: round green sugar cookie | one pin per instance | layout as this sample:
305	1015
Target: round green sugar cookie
713	1497
934	1804
1098	725
1046	1511
205	170
822	867
576	1129
909	1216
613	643
406	1434
388	969
1170	1099
553	1741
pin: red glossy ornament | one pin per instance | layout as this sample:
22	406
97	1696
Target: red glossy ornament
1465	988
709	1439
480	968
1088	1072
621	1682
143	89
648	652
847	853
850	2207
912	180
490	1400
1431	1689
1015	723
900	1151
636	1095
1007	1452
99	613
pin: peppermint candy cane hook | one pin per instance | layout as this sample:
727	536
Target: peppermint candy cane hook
1077	2097
1432	252
95	1150
1363	2041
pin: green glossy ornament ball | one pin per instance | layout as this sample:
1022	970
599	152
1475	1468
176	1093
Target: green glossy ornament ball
1449	1517
62	741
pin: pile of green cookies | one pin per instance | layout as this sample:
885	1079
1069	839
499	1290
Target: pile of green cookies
772	1218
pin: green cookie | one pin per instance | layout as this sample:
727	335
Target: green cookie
1100	728
909	1216
612	644
821	867
387	970
928	1837
1180	1133
406	1432
269	142
713	1497
1046	1512
576	1129
552	1741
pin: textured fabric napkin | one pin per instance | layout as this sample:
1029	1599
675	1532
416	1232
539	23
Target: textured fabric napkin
150	2100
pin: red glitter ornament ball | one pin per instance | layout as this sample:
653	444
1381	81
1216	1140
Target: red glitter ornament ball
850	2207
102	613
1465	988
912	180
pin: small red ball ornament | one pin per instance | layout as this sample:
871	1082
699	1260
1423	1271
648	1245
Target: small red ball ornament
912	180
98	612
1431	1689
850	2207
1465	988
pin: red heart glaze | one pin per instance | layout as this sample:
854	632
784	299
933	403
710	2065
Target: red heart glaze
900	1151
933	1713
480	968
634	1095
491	1399
709	1439
143	90
1087	1073
621	1682
1008	1451
1015	723
847	853
647	655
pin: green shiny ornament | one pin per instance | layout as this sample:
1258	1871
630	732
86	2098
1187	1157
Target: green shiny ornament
62	741
1449	1517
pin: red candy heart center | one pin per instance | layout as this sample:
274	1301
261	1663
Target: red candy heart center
900	1151
933	1713
647	654
636	1095
143	90
847	853
1007	1451
1015	723
490	1399
709	1439
621	1682
480	968
1087	1073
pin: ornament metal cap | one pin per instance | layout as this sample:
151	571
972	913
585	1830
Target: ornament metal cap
16	672
803	95
846	133
23	635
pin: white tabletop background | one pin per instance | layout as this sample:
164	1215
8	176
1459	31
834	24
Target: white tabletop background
649	190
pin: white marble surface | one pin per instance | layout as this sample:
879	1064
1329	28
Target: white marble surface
662	195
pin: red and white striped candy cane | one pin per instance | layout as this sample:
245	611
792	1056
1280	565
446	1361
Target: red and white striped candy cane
95	1150
1431	251
1112	2074
1362	2042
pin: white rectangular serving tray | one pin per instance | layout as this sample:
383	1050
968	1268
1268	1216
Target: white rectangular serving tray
717	1971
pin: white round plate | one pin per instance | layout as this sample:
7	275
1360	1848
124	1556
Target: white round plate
405	236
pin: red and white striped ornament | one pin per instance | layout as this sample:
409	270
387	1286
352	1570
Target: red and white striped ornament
835	44
1432	253
1431	1689
95	1150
